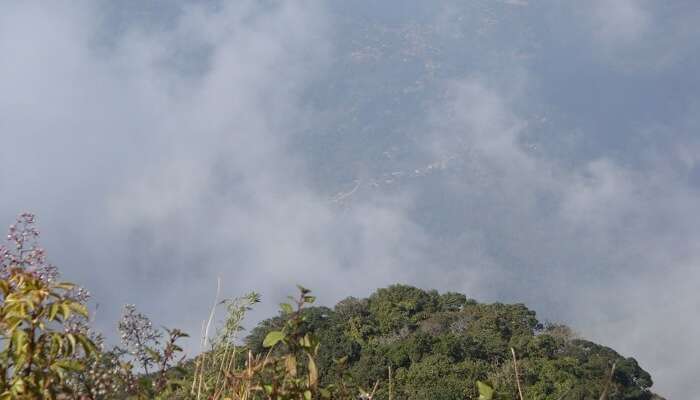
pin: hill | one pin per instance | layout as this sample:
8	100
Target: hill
438	345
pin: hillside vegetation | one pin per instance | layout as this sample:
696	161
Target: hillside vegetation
401	342
438	345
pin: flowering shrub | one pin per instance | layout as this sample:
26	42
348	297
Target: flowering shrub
138	336
39	320
23	251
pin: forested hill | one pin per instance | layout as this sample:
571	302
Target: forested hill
438	345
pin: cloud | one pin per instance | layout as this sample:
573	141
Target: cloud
154	179
620	23
634	36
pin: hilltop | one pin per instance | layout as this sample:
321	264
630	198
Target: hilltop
438	345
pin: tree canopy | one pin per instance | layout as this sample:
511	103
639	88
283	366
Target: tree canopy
438	346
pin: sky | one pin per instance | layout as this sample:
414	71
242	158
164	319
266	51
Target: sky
519	151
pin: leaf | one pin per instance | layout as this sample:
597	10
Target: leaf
18	386
4	287
53	310
313	372
70	365
341	361
286	308
303	290
290	363
80	309
72	341
485	391
155	356
87	344
305	341
307	395
273	338
65	310
64	285
56	344
19	339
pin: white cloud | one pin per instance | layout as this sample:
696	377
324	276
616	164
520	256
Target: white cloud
184	177
620	23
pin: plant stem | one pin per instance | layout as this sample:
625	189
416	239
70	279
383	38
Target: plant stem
391	385
517	375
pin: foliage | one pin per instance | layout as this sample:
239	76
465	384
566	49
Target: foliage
207	378
285	368
439	346
401	342
36	352
39	332
148	366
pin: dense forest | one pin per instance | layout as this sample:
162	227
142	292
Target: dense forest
401	342
439	345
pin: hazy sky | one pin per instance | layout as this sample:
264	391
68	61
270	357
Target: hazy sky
541	152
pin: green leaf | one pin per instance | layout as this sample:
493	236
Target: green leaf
305	341
56	344
307	395
286	308
79	309
53	310
303	290
485	391
18	386
87	344
155	356
65	310
341	361
72	341
19	339
273	338
70	365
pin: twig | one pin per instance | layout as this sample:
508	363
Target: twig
517	375
391	386
376	385
197	366
604	395
565	393
205	339
223	365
